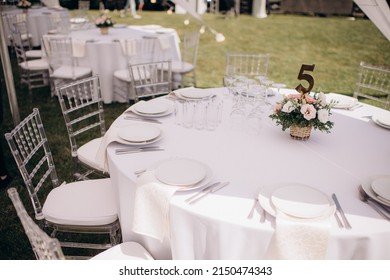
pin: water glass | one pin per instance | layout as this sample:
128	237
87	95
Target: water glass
254	121
188	113
178	111
200	112
213	113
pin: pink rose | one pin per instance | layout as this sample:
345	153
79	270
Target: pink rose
309	99
277	107
308	111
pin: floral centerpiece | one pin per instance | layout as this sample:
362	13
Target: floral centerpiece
23	4
103	22
301	112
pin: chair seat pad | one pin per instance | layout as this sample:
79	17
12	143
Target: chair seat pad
34	54
66	72
124	75
87	203
87	154
35	65
178	66
125	251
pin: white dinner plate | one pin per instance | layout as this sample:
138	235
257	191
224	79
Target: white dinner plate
151	108
342	101
381	186
166	113
265	195
193	93
139	133
378	122
367	187
78	20
165	30
206	180
180	172
300	201
119	25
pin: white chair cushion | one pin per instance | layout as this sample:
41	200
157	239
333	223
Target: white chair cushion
178	66
124	75
87	154
66	72
89	202
35	65
34	54
124	251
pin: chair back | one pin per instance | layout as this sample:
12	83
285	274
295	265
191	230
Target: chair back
140	50
151	79
190	48
19	44
59	23
373	83
81	104
59	51
248	64
44	247
29	147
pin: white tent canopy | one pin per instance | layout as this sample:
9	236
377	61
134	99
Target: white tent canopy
378	12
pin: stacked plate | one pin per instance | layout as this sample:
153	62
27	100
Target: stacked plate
378	188
192	93
342	101
382	119
140	134
186	174
297	201
152	109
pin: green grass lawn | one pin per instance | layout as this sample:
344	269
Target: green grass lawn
336	45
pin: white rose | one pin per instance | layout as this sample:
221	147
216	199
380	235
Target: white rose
288	107
323	115
322	98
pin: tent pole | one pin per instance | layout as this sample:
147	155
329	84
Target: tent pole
9	78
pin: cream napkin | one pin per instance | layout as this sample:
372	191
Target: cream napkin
164	42
78	47
151	207
110	136
301	240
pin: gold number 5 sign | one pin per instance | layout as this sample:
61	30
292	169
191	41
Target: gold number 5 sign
307	77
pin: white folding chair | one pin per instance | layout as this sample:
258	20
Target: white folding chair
63	66
150	79
83	207
81	104
373	85
48	248
248	64
184	70
136	50
32	72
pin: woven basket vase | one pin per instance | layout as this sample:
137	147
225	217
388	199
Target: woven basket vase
300	133
104	30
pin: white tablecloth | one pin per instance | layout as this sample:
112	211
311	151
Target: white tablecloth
38	22
217	226
105	54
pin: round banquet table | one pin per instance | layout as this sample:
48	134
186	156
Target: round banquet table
217	226
38	21
104	53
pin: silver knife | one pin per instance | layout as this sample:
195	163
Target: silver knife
340	210
210	190
202	191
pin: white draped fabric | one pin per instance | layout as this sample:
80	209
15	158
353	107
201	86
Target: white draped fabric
379	13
